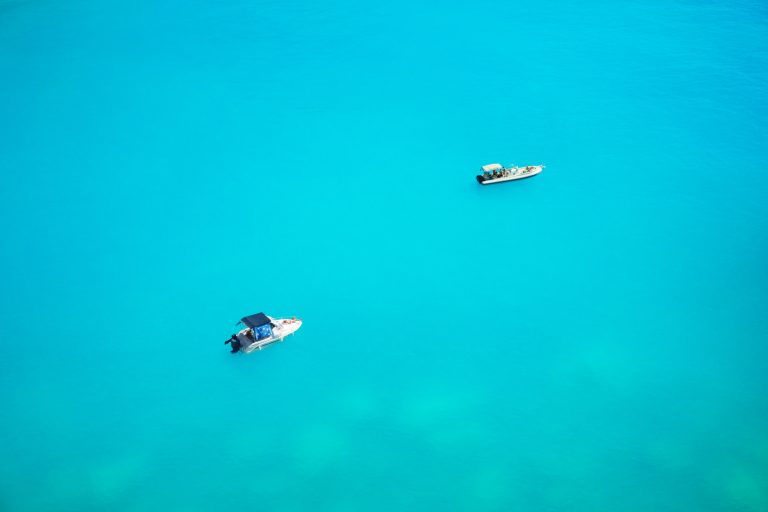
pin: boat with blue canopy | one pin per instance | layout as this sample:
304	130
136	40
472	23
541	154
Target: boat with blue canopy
261	330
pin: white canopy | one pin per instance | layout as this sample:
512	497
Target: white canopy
492	167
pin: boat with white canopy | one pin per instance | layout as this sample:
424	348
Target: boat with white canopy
497	173
261	330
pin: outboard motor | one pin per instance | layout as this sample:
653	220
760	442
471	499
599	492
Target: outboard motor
235	344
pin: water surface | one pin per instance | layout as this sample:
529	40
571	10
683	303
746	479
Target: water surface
590	339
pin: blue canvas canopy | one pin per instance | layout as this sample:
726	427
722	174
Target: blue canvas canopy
263	331
257	320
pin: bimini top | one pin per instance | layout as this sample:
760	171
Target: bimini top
254	321
492	167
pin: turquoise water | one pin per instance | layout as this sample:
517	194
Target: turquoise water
590	339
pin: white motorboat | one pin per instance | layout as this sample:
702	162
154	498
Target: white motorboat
497	173
261	330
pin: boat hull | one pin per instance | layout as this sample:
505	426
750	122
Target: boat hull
530	174
283	327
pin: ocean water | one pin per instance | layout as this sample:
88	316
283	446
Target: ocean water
591	339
